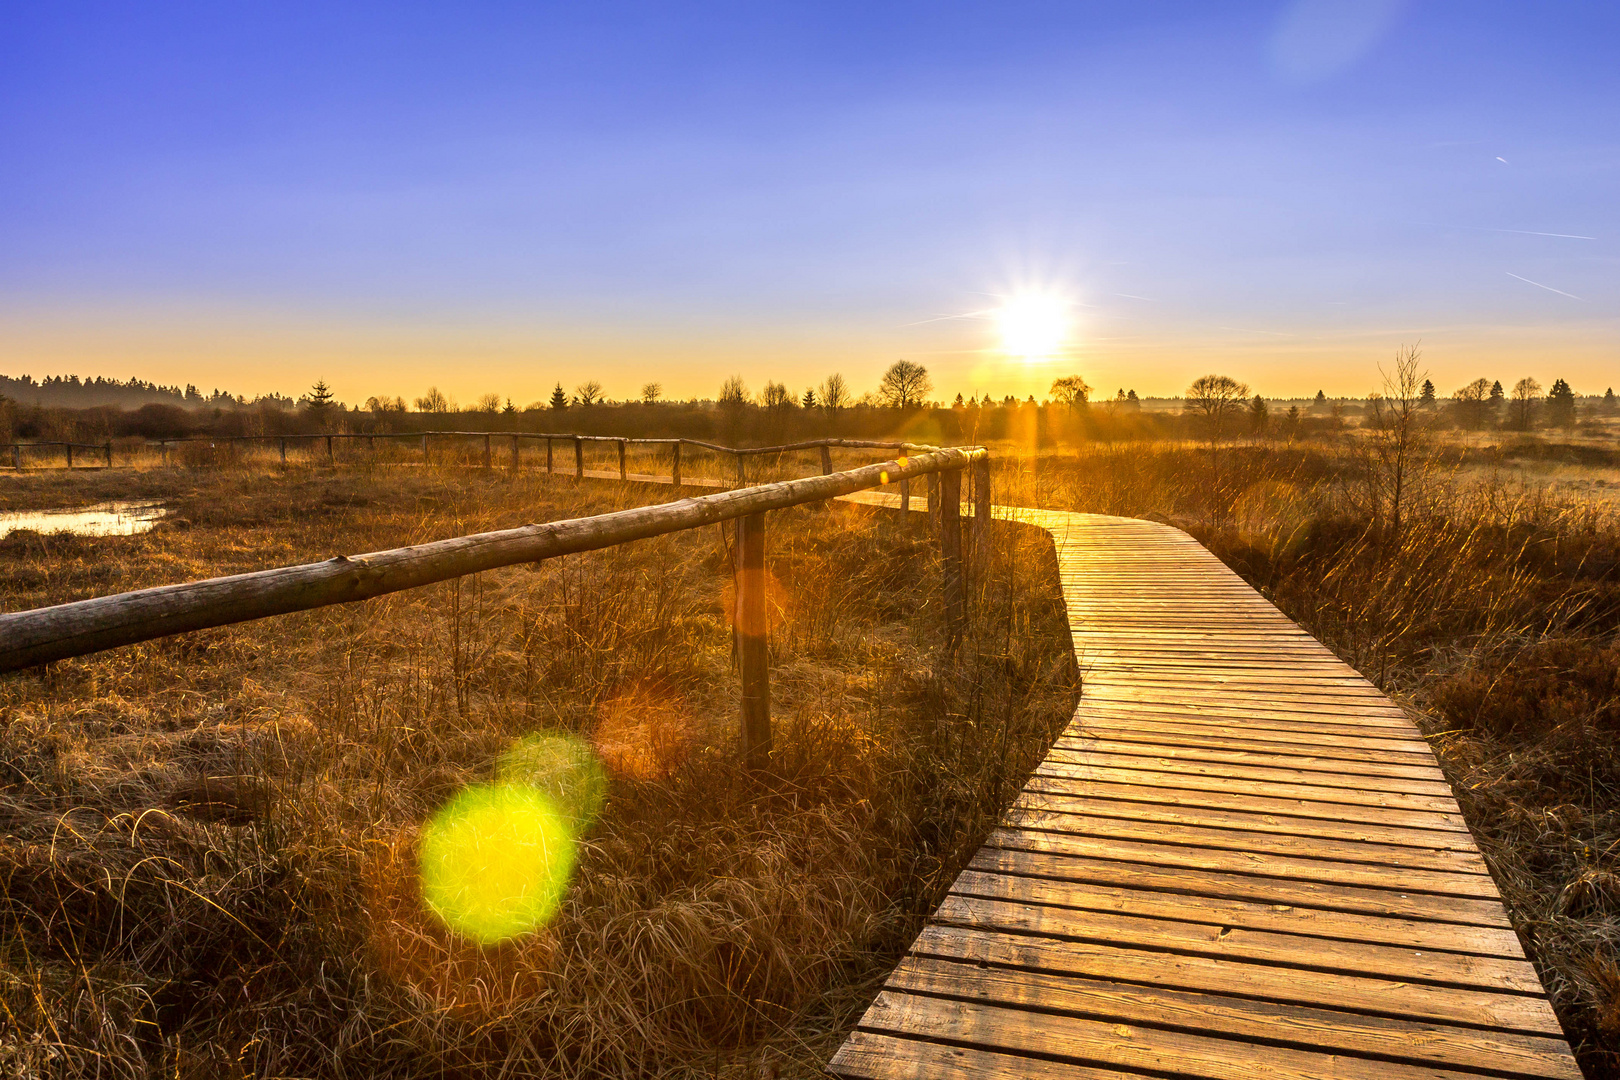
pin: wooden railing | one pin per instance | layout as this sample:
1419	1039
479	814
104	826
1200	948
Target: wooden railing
14	452
41	635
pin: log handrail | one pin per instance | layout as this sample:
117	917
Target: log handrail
40	635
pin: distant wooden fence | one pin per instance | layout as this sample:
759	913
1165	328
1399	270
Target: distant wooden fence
29	638
16	454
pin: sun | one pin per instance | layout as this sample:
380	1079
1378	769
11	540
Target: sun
1033	327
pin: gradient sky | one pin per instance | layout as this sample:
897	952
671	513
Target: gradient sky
493	198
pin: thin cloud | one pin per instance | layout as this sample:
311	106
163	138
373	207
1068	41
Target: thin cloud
1517	232
1539	285
1503	160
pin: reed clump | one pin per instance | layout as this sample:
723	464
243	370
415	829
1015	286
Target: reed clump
208	844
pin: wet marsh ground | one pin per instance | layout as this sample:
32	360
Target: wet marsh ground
207	843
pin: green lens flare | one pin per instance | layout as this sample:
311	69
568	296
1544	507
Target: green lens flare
495	861
564	768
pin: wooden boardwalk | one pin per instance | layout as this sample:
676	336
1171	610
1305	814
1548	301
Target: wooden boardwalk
1240	860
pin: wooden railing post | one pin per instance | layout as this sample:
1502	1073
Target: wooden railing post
752	649
516	458
826	460
108	448
424	448
741	480
486	450
950	550
69	453
16	456
981	509
579	458
283	451
330	459
675	466
624	473
550	468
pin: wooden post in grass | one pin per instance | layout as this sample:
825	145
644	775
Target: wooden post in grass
752	652
905	507
550	468
826	460
16	456
579	458
981	511
330	460
950	550
515	453
624	474
424	448
69	453
741	480
675	466
108	449
283	451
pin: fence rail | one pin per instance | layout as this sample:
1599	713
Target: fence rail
41	635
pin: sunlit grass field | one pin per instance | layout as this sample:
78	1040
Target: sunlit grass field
212	859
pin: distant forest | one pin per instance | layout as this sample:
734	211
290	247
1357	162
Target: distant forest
71	392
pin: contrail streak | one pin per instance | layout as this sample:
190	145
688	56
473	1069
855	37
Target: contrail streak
1539	285
1517	232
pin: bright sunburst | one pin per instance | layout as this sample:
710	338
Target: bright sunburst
1033	327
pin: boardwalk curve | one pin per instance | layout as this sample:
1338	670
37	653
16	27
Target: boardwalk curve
1240	859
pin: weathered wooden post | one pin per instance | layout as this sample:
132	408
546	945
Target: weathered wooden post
675	466
826	460
371	446
16	455
741	481
69	453
753	656
981	509
579	458
950	550
624	474
108	448
283	451
486	450
905	506
330	459
515	454
424	449
550	468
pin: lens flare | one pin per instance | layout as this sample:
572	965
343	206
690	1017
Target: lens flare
495	861
564	769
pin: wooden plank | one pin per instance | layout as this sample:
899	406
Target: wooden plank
1204	938
1154	811
1091	744
1100	1043
1396	998
1186	777
1188	857
1267	842
1249	799
1282	918
1115	713
1255	887
1235	1017
1165	733
879	1056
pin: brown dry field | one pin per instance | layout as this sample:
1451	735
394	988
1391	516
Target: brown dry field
207	843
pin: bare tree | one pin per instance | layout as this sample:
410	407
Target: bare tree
489	403
834	393
904	385
1071	390
1397	439
651	392
1526	392
775	396
434	401
588	393
733	394
1215	402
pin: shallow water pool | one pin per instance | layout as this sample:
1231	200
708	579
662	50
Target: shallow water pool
103	519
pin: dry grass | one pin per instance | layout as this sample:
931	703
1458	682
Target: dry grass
1494	616
207	843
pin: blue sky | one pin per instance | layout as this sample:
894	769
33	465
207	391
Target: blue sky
494	198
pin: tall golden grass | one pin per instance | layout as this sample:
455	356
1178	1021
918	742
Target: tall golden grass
207	844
